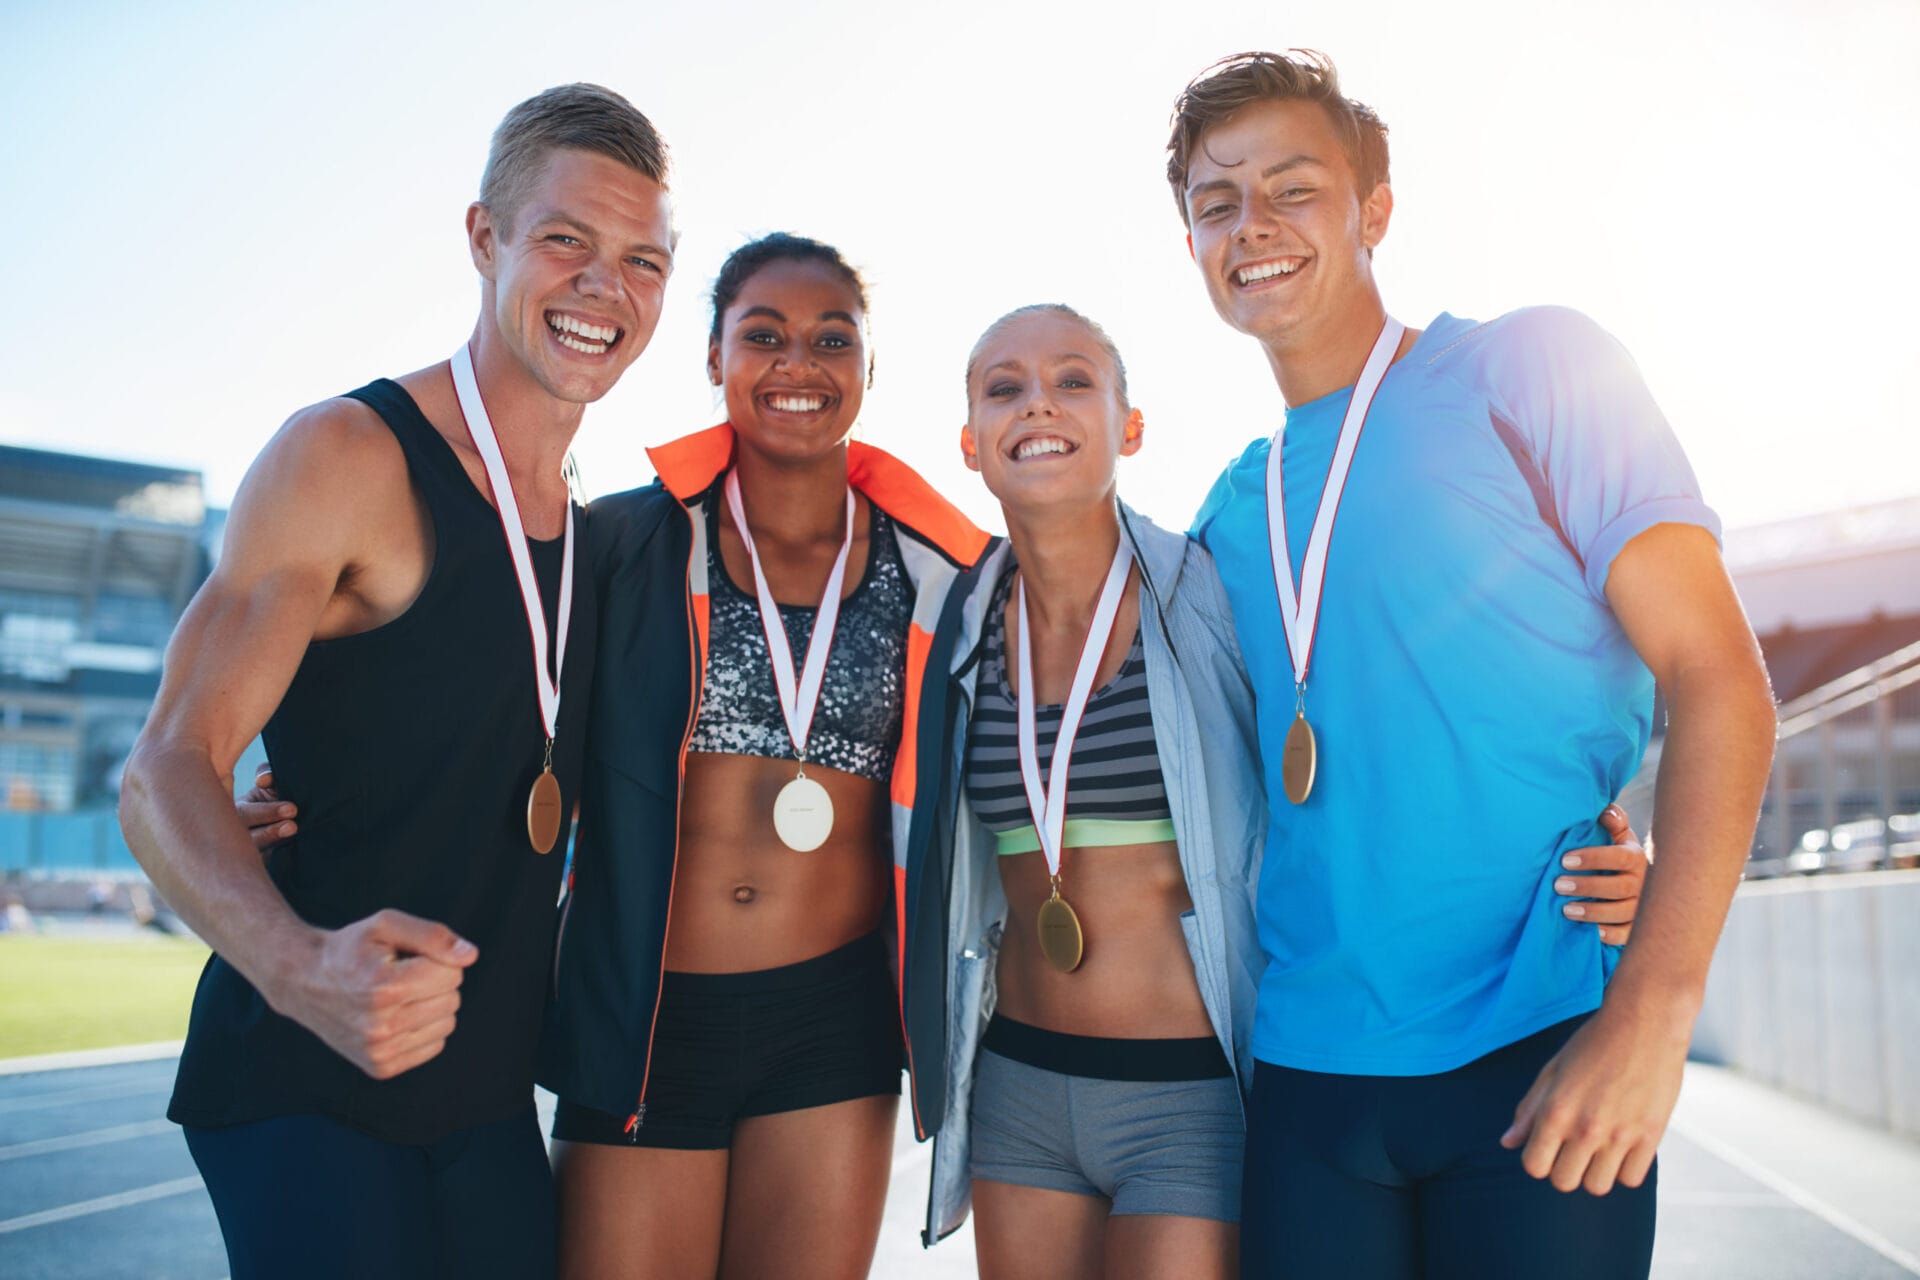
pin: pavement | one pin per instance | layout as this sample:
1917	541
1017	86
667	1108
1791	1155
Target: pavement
95	1183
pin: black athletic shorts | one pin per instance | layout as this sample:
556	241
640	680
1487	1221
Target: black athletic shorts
728	1045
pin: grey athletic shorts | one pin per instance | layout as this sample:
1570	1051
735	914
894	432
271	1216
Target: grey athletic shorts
1149	1146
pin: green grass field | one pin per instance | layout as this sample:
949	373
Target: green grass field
72	993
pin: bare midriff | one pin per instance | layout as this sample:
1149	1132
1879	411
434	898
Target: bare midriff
1135	980
742	900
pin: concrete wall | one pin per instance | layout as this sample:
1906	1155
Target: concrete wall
1816	989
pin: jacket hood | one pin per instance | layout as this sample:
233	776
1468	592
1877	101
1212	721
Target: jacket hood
1159	552
690	465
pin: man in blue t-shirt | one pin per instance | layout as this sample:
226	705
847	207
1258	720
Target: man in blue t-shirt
1520	552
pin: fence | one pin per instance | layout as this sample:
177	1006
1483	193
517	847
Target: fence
1812	991
1845	791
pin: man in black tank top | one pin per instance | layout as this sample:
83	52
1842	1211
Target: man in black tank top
357	1079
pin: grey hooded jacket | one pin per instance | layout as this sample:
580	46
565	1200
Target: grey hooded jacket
1203	721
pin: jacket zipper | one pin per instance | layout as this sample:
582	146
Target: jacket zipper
1159	608
694	671
560	934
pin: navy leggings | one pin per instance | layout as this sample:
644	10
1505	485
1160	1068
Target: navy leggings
305	1196
1404	1177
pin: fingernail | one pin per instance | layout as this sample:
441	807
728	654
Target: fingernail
285	811
1616	811
286	828
1571	860
1575	910
465	949
1563	885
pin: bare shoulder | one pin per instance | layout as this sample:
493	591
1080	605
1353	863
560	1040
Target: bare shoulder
330	483
334	454
337	443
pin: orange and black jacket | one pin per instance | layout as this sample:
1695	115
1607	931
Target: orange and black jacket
648	556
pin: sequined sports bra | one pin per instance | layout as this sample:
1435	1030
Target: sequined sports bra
863	694
1115	794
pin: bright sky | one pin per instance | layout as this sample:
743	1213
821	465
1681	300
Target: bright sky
215	213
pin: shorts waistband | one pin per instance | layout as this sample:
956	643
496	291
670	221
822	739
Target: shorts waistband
1104	1058
857	956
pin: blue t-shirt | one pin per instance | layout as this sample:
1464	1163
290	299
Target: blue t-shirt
1476	701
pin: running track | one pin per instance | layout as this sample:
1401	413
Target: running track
95	1183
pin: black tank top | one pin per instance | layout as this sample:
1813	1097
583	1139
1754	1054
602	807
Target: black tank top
410	749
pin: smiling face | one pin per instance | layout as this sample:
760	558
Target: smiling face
1280	233
791	360
574	275
1046	418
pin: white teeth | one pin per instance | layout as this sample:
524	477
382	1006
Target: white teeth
798	404
1038	445
585	348
591	332
1266	271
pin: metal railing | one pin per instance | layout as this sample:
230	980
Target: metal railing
1845	790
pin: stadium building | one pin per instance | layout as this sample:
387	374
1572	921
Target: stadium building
98	558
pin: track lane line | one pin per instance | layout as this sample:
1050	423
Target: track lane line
101	1204
76	1059
1800	1196
86	1093
91	1138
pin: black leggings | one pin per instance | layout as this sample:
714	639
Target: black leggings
307	1198
1404	1177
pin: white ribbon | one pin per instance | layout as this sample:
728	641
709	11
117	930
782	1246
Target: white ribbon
1300	611
480	427
798	698
1048	803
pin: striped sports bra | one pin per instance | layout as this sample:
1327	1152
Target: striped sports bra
1115	794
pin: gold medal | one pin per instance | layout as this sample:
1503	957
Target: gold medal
543	812
1061	941
1300	606
544	818
1298	760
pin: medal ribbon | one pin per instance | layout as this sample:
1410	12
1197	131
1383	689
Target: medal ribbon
1300	611
1048	803
507	506
798	698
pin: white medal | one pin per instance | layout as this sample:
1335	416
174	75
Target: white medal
1061	939
1300	610
803	811
803	814
544	816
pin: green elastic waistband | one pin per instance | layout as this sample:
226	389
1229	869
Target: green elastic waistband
1082	833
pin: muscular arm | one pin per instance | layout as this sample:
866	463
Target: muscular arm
375	991
1671	593
1600	1106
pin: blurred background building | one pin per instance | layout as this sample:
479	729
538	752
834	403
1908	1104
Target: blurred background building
1835	601
98	557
